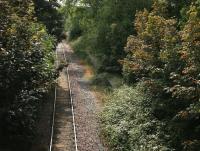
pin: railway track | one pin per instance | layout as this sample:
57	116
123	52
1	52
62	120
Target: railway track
63	130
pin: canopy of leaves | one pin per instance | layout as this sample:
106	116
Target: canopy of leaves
48	13
104	27
26	70
166	57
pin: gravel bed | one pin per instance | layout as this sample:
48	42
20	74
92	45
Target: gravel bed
86	107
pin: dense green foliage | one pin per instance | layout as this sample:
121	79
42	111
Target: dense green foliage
166	57
26	70
162	53
102	28
47	12
155	48
129	123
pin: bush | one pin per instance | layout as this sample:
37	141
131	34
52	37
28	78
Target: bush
106	25
74	32
166	57
128	123
101	80
26	70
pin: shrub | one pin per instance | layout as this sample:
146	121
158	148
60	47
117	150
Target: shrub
128	123
166	57
106	25
26	69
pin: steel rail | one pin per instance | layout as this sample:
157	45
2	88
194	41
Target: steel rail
72	102
54	110
72	106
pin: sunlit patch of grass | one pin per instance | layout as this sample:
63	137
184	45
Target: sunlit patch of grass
88	73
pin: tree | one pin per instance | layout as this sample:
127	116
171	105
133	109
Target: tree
166	58
26	70
48	13
105	26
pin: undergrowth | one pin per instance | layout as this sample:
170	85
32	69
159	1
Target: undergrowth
128	123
